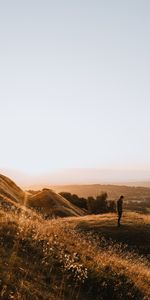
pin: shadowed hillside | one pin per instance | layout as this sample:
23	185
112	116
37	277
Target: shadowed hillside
134	231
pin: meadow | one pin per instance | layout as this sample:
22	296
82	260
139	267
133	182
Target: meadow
75	257
68	259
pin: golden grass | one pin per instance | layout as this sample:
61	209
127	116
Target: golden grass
67	263
51	204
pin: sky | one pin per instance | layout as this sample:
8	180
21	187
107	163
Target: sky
74	85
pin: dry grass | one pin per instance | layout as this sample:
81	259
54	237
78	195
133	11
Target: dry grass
9	189
57	260
52	204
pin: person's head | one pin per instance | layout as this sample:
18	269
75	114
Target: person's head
121	197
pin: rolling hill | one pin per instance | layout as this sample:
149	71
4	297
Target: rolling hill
52	204
78	257
10	190
46	201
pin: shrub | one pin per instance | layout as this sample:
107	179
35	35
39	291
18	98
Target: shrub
74	199
98	205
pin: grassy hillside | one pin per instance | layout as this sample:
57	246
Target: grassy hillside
52	204
134	231
46	201
60	259
78	257
10	190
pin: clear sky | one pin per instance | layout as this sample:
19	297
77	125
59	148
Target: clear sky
74	84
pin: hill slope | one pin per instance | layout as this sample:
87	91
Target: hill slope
53	260
52	204
134	231
10	190
46	201
75	258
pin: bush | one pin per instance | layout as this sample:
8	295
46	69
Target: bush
111	206
98	205
90	204
74	199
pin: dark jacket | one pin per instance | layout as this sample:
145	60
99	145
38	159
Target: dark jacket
119	205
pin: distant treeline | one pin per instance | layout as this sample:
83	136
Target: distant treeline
93	205
140	206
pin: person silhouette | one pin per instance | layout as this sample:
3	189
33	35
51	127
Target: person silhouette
119	209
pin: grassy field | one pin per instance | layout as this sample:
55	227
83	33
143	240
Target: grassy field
134	231
79	257
74	258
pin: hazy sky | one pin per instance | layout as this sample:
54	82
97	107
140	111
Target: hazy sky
74	84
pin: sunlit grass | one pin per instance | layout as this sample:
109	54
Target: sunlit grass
85	257
53	260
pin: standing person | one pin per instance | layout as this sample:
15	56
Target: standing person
119	209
